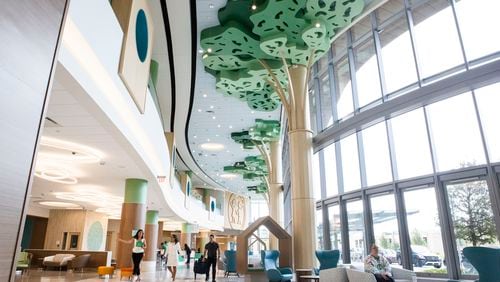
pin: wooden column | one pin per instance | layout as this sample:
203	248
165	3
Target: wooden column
160	234
30	35
151	236
133	218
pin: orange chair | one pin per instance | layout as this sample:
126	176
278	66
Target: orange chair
126	272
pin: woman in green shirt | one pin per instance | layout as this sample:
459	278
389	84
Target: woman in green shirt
137	251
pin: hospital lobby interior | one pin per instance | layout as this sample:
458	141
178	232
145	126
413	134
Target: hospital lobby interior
250	140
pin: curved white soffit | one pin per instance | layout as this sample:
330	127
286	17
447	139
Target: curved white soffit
160	54
179	13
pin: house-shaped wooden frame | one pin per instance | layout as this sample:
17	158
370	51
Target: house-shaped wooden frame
285	243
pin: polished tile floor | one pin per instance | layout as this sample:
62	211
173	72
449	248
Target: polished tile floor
183	274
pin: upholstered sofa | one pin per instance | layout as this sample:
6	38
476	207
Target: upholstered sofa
58	260
355	274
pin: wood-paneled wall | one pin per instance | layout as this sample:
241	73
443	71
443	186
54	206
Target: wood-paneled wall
61	221
29	32
114	229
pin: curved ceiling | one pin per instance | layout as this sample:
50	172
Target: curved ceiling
215	116
201	114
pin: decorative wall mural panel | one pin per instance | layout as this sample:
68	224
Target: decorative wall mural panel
137	26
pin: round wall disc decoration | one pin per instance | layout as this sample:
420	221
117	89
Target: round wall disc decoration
95	236
141	35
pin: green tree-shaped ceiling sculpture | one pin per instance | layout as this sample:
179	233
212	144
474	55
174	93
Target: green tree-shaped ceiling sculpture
252	168
259	189
264	131
249	51
258	136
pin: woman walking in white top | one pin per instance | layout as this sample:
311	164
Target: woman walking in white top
173	250
137	251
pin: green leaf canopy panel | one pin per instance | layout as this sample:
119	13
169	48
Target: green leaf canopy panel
299	31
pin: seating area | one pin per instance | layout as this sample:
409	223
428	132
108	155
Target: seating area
24	262
357	274
57	261
486	261
79	262
273	272
230	263
327	259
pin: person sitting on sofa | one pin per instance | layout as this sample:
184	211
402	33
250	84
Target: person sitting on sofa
378	265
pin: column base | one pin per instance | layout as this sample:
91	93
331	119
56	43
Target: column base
148	266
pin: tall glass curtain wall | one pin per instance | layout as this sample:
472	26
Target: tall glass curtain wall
409	180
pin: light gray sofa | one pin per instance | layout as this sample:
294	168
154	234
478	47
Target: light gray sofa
355	274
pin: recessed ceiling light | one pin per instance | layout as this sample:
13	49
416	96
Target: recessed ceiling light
204	95
229	175
213	117
216	135
193	151
218	125
212	146
254	7
209	50
59	204
201	51
230	126
211	107
206	155
208	139
253	112
317	25
199	110
211	6
194	136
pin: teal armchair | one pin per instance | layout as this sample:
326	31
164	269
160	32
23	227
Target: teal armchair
230	266
485	260
273	272
327	259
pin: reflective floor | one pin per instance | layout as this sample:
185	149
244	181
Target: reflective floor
183	274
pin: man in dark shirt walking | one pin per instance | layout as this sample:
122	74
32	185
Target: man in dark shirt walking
212	254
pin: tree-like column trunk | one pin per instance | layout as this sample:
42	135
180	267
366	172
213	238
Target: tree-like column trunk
300	140
275	192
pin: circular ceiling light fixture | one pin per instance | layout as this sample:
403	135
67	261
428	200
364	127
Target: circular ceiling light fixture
60	150
59	204
212	146
56	175
94	197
